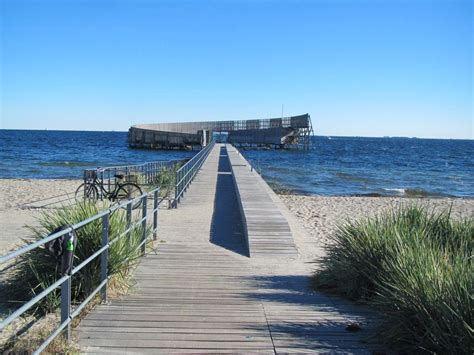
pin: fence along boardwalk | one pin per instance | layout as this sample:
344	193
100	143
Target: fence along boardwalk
202	293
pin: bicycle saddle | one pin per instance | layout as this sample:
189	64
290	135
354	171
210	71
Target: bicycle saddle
119	176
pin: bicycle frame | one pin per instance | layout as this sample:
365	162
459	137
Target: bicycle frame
95	178
103	192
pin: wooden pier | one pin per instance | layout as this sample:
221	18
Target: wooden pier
226	277
280	133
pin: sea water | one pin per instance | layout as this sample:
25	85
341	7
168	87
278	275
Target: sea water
65	154
333	165
372	167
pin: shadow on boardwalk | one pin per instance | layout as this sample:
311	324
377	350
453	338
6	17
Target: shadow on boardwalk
227	230
299	318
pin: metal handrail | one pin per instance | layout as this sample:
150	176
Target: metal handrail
186	174
65	281
149	171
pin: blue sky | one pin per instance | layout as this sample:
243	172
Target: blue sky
368	68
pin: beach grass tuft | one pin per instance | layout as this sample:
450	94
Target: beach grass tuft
36	270
416	268
165	179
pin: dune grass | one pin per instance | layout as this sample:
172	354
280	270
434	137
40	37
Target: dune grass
36	270
416	268
165	179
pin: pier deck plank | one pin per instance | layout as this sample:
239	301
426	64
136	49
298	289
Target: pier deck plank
268	232
201	293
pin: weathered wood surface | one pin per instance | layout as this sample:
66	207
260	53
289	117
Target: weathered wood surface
267	230
201	293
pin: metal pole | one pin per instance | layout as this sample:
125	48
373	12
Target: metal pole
178	188
104	256
176	185
129	223
66	306
144	217
155	214
153	173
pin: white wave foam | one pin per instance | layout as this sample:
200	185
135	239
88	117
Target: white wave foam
400	191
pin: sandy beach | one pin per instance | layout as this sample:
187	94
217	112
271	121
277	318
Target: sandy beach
23	199
312	219
320	215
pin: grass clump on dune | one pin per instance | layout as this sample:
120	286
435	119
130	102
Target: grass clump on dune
166	180
36	270
417	268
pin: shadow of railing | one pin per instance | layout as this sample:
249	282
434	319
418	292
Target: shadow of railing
227	230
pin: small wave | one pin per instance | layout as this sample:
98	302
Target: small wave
65	163
414	192
354	178
421	193
398	191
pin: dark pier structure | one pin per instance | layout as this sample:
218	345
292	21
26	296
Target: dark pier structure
279	133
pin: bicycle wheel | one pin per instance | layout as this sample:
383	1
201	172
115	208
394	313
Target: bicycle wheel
86	192
127	192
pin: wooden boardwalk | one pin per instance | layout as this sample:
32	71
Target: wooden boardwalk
267	231
201	293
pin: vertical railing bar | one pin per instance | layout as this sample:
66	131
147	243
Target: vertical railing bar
155	214
144	217
66	306
129	222
104	258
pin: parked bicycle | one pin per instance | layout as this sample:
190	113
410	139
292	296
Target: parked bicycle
94	189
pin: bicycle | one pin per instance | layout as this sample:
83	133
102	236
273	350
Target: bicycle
121	192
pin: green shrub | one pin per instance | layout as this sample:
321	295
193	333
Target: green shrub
417	269
36	270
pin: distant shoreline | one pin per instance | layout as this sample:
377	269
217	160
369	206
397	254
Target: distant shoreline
284	191
330	136
314	210
340	166
414	195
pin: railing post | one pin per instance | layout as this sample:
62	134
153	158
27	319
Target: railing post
129	223
187	178
144	217
176	188
153	173
155	214
104	256
66	306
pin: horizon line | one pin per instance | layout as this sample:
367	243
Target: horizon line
315	135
